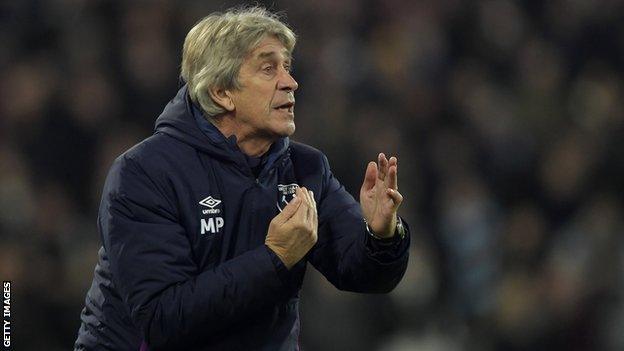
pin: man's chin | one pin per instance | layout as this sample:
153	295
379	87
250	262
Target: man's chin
279	129
286	130
291	130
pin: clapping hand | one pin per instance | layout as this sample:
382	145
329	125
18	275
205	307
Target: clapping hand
379	196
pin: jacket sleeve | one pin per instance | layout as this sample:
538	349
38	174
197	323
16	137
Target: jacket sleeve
344	253
168	297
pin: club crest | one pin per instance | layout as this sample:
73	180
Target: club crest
285	192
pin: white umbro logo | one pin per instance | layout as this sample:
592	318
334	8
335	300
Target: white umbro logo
213	224
210	202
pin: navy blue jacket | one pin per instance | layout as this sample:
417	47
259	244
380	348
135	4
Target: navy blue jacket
183	263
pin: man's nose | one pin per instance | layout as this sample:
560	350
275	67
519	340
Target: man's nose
287	82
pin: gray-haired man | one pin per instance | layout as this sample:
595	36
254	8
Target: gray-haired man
207	226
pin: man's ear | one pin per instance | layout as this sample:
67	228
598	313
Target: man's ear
223	98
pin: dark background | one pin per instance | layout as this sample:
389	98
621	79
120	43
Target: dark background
506	116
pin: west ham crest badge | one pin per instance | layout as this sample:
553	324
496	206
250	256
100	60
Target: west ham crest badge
285	193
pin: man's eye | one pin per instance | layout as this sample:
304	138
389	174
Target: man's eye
268	69
288	68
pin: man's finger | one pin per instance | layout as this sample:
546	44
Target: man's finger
370	176
392	178
306	203
315	210
396	197
383	166
313	200
310	213
393	161
302	210
290	210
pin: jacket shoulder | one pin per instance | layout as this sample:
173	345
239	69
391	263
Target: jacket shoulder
157	155
144	168
155	149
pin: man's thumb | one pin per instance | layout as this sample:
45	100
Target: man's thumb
289	210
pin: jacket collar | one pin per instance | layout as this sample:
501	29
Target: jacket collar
184	120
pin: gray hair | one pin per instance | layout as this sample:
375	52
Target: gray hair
214	50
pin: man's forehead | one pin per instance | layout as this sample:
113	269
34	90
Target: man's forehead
271	53
271	48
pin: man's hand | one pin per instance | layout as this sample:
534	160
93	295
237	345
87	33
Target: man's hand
379	196
293	232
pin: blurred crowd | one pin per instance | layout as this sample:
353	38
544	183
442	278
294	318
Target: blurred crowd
507	118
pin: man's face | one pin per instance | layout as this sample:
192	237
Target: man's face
265	103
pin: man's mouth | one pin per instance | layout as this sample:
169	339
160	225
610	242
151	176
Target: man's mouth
288	107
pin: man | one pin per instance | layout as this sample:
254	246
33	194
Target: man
207	225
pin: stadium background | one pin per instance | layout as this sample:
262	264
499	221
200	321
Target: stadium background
507	118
